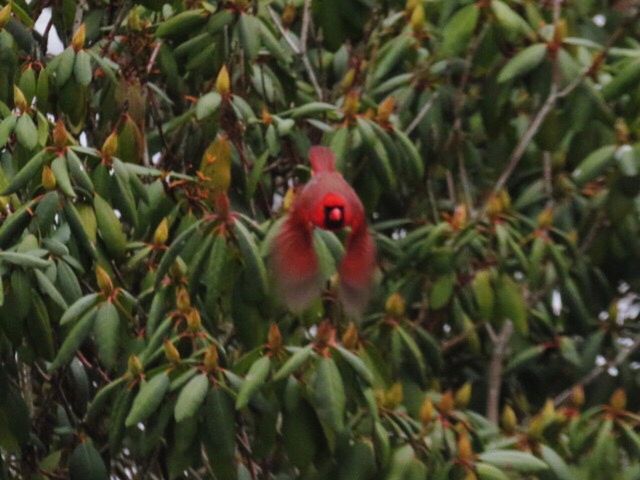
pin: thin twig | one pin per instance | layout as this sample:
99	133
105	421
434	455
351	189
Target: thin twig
599	370
500	346
421	114
554	95
306	20
299	50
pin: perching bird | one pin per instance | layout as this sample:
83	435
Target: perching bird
327	201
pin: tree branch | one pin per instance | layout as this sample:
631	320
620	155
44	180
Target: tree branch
500	345
300	50
599	370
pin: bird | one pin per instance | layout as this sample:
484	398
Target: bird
327	202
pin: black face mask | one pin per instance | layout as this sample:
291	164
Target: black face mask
333	217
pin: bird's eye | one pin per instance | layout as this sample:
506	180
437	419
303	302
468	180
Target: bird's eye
333	217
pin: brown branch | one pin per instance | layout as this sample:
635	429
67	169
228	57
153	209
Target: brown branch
599	370
300	50
554	95
500	346
421	114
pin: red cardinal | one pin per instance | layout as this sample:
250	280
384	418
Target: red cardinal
327	202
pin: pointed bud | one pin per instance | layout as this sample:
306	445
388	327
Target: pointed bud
548	412
508	419
223	82
134	366
289	14
274	338
395	305
622	131
618	400
171	352
536	427
104	281
560	31
470	475
465	450
267	119
350	337
545	218
385	109
426	411
161	234
48	178
410	5
351	103
183	300
347	81
505	199
77	42
178	269
19	99
5	15
463	396
446	403
289	197
393	397
60	134
194	321
110	145
418	19
577	396
211	359
459	218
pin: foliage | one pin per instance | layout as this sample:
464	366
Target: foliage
144	170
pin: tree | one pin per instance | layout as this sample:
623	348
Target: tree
145	168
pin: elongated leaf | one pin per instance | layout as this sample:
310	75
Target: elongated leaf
255	378
191	397
148	399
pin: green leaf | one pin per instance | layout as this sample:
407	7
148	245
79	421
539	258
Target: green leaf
489	472
61	172
327	391
86	463
483	293
208	105
148	399
46	286
511	304
6	129
623	82
79	307
356	363
106	331
82	68
458	30
251	259
191	397
525	61
182	23
74	339
65	63
513	460
294	362
594	164
441	291
558	466
508	19
109	227
255	378
24	260
249	28
26	132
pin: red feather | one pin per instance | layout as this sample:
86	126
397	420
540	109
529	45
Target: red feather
356	271
327	202
295	265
